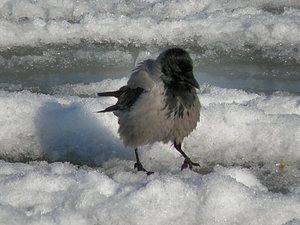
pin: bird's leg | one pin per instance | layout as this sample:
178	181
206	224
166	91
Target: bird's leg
187	161
138	165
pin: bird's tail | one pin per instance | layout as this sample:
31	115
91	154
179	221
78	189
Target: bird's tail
116	94
109	109
110	94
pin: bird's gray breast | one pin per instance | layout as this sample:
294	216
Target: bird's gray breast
184	108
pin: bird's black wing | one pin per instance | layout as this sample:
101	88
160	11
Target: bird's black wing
126	98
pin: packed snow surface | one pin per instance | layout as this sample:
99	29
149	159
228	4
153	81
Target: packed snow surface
239	43
62	163
269	28
235	126
247	145
262	23
60	193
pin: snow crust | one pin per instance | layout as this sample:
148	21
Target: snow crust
60	193
268	25
239	141
61	163
235	126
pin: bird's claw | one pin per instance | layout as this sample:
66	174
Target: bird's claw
140	167
187	163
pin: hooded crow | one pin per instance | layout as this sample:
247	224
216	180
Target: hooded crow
159	103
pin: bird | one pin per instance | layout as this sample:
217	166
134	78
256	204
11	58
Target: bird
158	104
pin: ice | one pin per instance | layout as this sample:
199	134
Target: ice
216	25
89	89
60	193
243	176
234	44
35	126
250	113
240	141
62	163
49	59
235	127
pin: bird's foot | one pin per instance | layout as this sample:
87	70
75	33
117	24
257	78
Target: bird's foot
187	163
140	167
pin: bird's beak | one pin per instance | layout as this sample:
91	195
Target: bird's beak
191	81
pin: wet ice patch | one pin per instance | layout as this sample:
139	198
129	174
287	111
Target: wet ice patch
243	176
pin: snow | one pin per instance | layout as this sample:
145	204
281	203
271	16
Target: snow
35	125
62	163
247	145
235	126
238	25
61	193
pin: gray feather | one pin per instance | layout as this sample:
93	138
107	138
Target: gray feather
156	105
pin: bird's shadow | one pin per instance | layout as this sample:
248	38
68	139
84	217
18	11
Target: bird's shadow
72	133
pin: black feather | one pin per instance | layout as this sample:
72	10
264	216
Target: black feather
116	94
126	98
177	68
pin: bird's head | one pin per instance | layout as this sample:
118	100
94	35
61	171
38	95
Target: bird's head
177	68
